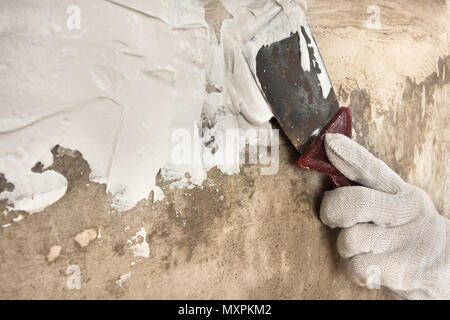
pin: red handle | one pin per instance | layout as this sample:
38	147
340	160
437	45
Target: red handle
315	157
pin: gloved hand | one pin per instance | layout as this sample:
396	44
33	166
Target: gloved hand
392	235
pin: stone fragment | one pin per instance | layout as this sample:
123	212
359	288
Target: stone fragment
54	253
85	237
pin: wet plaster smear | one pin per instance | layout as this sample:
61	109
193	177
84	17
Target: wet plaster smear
114	80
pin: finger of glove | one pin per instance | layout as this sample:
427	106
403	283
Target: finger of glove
374	270
359	165
390	270
347	206
366	238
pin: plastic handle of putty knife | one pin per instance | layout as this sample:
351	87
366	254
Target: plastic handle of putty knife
315	158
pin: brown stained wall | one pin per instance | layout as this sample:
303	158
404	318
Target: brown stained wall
263	240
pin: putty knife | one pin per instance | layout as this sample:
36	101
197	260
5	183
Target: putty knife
303	101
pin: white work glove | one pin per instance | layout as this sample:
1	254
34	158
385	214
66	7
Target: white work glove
392	235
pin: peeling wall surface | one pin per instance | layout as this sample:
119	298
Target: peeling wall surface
219	231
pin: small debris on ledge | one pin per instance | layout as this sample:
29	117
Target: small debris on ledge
85	237
54	253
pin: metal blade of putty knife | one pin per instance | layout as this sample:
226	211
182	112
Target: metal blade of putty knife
302	98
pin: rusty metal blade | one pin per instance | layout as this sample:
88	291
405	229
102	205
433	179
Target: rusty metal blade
295	95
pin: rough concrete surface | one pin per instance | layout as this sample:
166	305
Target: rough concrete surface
248	235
